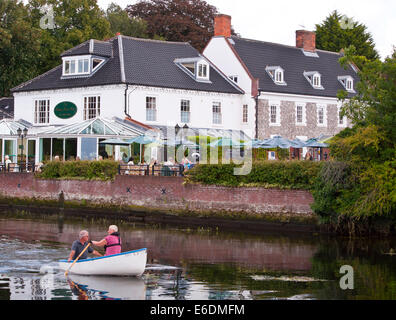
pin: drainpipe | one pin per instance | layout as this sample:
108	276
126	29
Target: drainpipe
126	101
256	130
126	107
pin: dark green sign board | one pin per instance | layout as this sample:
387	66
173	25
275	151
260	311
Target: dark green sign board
65	110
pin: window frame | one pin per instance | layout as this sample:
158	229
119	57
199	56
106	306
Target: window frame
184	112
216	105
324	116
151	108
303	121
275	105
42	116
88	111
245	113
75	61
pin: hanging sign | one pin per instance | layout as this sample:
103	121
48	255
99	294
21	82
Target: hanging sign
65	110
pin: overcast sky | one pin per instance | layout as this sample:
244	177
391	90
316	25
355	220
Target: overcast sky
277	20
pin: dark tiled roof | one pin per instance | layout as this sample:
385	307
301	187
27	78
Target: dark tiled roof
257	55
6	108
95	47
151	63
109	73
146	62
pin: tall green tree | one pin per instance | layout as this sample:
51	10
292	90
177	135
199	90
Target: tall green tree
120	22
361	187
74	21
338	32
177	20
19	45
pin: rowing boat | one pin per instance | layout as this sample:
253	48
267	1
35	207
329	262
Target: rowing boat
131	263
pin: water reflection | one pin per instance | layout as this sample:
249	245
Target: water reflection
107	288
187	264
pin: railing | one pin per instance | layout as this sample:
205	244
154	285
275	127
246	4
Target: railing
18	167
151	170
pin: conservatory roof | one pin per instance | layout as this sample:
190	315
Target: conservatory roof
10	127
98	126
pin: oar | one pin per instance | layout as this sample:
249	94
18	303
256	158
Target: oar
67	271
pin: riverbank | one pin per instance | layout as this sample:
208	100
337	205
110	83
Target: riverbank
164	200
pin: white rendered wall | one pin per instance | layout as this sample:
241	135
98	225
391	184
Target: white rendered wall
222	56
167	100
111	97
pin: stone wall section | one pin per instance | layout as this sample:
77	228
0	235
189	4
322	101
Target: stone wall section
288	127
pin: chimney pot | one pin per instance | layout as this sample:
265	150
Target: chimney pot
222	25
306	40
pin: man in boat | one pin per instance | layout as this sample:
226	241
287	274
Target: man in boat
111	243
79	245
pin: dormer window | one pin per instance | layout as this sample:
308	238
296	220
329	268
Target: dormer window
76	66
203	70
277	74
81	65
347	82
314	78
96	62
196	67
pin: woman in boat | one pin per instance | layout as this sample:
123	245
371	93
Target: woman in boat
111	243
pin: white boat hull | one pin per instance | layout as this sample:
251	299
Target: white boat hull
131	263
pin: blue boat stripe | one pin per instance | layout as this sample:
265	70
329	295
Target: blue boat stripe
97	258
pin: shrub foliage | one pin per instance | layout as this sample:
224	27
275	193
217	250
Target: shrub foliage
270	174
100	170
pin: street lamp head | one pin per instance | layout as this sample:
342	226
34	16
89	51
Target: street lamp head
25	132
19	131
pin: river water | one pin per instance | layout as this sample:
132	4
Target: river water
190	264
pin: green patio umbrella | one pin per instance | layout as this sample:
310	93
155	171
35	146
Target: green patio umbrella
143	139
277	142
314	143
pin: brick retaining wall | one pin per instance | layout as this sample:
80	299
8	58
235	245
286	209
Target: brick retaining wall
153	192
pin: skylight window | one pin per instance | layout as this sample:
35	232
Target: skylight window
277	74
347	82
315	79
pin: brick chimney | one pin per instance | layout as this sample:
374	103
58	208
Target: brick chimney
222	25
306	40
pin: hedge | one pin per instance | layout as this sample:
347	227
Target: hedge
270	174
98	170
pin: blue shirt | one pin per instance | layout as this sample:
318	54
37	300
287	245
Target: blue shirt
78	248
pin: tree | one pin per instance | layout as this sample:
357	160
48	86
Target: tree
75	21
19	45
121	23
177	20
367	152
338	32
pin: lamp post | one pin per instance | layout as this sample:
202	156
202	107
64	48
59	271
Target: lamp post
22	134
